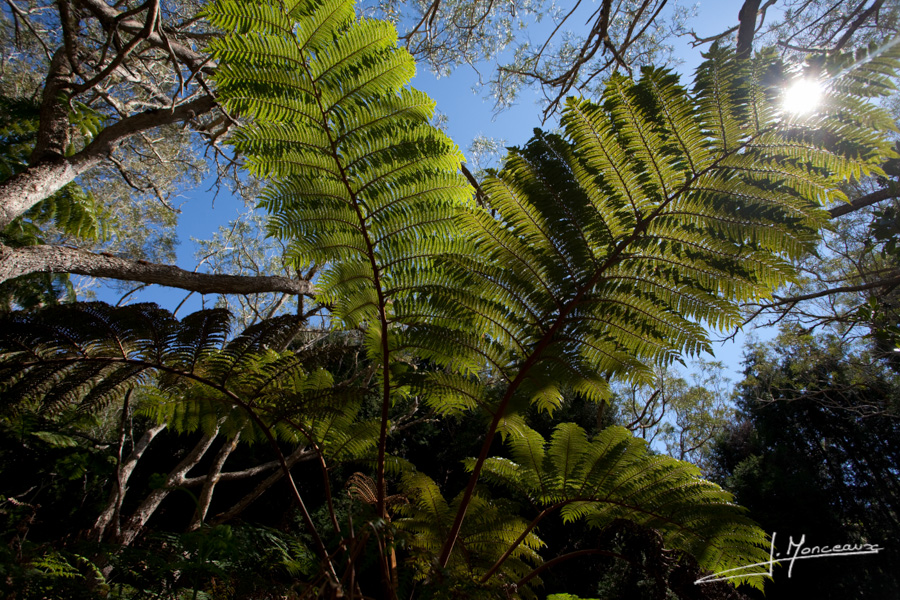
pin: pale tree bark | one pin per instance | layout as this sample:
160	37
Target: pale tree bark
85	69
299	455
110	514
112	20
176	478
23	190
108	524
212	478
59	259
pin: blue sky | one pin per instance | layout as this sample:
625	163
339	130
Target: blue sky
469	114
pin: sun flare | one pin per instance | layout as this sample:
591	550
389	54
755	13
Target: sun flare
803	97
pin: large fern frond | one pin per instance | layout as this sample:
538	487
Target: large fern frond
425	522
616	476
657	211
359	179
191	373
653	216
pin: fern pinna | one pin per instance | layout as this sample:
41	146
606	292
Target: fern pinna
359	179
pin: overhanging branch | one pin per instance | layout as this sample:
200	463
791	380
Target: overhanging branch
890	281
38	182
113	19
892	191
59	259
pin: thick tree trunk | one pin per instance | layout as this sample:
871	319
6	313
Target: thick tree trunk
15	262
53	133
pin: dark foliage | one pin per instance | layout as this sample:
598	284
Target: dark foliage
815	453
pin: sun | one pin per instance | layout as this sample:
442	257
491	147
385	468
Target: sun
803	97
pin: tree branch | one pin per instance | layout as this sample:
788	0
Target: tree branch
23	190
892	281
112	19
300	454
59	259
212	478
747	28
857	24
175	479
891	191
124	470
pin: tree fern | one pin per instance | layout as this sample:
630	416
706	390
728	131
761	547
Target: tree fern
359	180
602	251
655	214
615	476
191	373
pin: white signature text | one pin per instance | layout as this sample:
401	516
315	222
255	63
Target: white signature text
796	551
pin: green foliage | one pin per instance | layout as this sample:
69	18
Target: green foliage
359	180
18	128
597	253
601	252
813	453
191	374
615	476
493	528
659	211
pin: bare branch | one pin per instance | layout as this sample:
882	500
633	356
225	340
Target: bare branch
151	502
300	454
210	481
112	19
699	41
110	514
480	196
886	282
857	24
891	191
150	24
59	259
